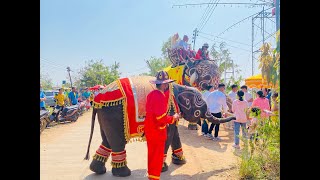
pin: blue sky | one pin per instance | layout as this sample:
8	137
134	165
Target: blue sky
131	31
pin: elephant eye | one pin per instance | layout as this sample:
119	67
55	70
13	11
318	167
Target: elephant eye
187	101
197	113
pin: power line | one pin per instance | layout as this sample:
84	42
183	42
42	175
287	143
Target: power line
53	66
246	4
213	7
52	62
265	1
226	44
203	15
271	35
224	39
240	22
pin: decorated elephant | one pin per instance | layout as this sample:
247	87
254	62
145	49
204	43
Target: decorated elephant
121	110
198	74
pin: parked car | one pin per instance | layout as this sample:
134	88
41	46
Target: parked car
50	97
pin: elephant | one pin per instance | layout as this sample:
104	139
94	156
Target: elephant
199	74
111	121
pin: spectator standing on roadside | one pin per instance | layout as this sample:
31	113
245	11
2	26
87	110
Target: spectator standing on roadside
73	96
42	99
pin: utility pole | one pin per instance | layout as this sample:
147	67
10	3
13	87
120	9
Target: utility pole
195	34
262	25
277	14
68	69
278	21
226	70
252	55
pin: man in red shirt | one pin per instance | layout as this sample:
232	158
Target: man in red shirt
156	121
203	52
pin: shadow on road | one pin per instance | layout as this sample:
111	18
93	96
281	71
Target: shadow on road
141	174
191	138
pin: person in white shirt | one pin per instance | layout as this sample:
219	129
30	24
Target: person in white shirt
247	96
205	94
233	92
217	101
233	96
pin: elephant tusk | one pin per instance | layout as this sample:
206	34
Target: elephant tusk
193	77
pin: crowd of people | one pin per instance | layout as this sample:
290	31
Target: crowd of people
265	105
66	98
184	51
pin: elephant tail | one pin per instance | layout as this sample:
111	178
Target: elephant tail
94	112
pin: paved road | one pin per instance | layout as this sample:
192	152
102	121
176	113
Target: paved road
63	147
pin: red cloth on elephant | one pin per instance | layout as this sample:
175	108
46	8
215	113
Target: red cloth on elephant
156	130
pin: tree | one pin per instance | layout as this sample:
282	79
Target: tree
269	63
157	64
95	72
46	81
222	55
166	45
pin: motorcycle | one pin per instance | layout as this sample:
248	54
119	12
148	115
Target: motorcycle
82	106
44	119
68	113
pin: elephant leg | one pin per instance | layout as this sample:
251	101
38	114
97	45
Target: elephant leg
114	128
101	156
176	146
170	132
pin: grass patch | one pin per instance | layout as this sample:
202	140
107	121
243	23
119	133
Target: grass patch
260	159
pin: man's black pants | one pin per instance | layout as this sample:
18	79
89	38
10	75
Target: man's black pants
215	126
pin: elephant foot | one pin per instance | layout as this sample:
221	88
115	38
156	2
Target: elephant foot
192	127
164	167
121	172
98	167
177	160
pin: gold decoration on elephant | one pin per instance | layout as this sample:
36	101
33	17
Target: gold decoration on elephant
140	129
111	87
143	87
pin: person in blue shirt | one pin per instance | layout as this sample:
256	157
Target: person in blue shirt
183	43
42	99
73	96
86	94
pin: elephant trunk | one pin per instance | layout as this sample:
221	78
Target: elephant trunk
94	112
215	120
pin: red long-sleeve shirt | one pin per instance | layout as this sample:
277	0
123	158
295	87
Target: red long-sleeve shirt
156	116
199	55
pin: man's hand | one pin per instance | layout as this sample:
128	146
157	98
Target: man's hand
176	116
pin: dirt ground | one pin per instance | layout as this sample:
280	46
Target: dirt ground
63	147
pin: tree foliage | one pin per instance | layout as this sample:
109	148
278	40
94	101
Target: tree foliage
156	64
222	56
46	81
166	45
95	72
269	62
